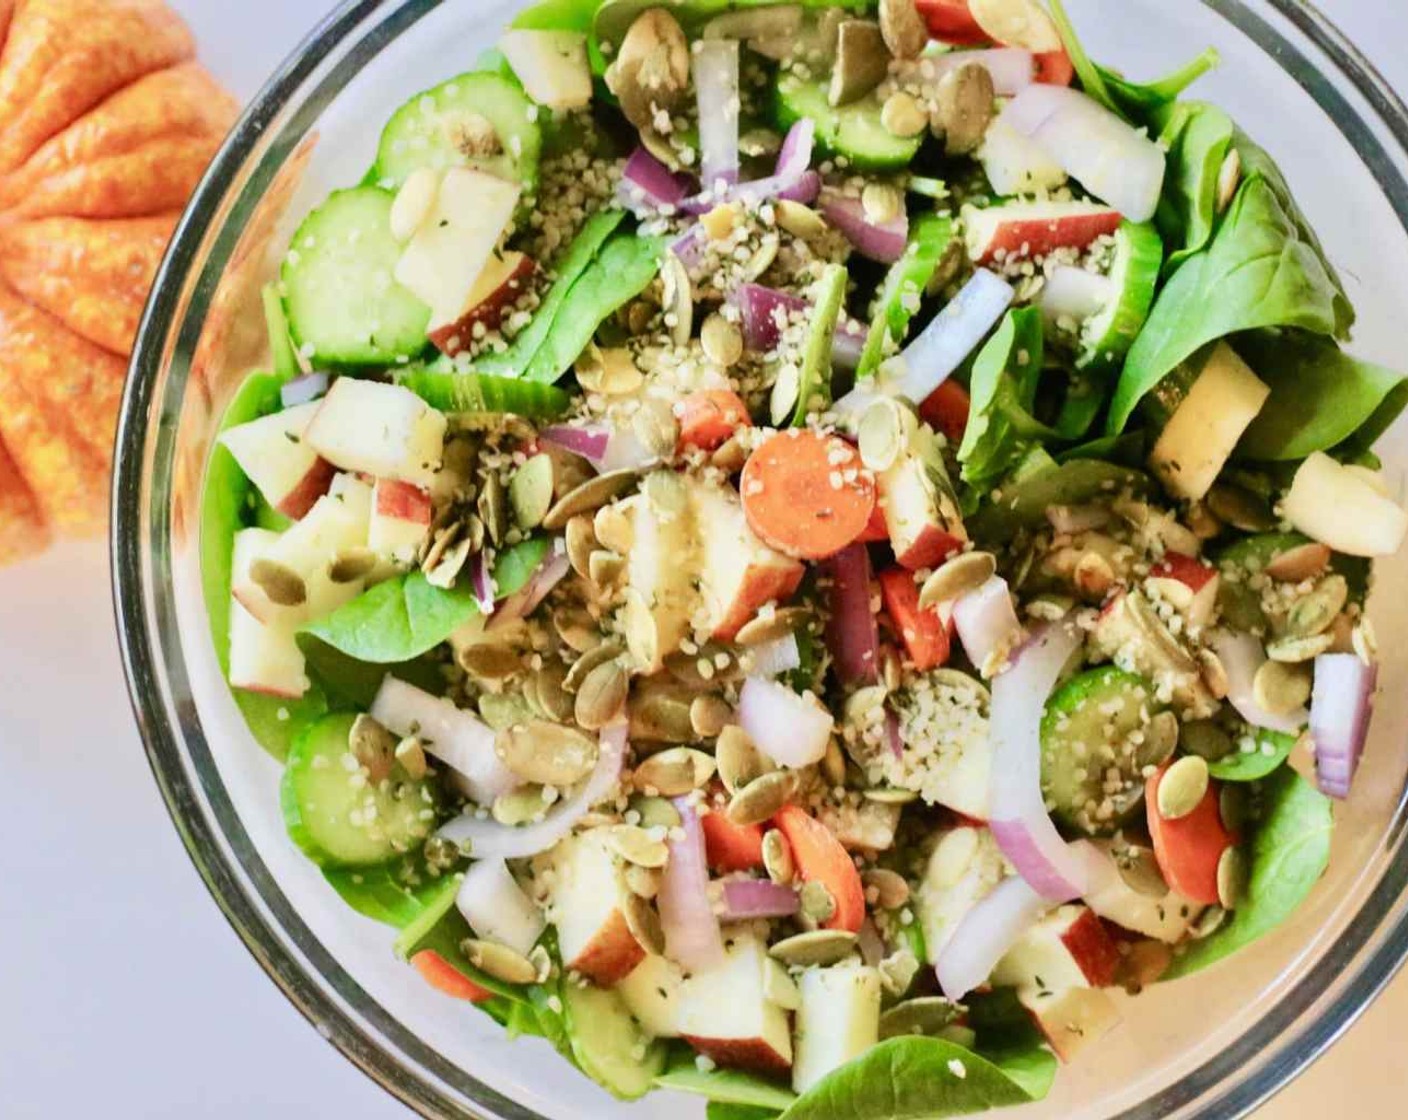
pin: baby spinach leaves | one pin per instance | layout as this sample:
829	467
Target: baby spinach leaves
724	1086
905	284
1006	375
1199	138
395	893
1290	849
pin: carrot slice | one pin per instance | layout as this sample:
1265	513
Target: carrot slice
441	975
1054	68
806	494
876	529
946	410
729	846
820	858
1188	849
709	417
924	634
950	21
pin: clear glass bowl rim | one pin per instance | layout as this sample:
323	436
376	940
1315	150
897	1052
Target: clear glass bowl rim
1275	1050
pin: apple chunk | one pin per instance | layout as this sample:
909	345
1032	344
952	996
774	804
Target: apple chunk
661	596
275	457
552	65
964	867
740	573
1017	164
1068	948
1340	506
381	430
1022	230
588	898
923	526
839	1020
500	286
726	1013
262	658
401	516
1071	1019
654	993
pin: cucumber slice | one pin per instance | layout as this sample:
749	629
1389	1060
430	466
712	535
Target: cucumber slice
853	131
1086	732
814	382
609	1044
340	822
898	302
430	129
470	392
343	305
1134	275
1239	602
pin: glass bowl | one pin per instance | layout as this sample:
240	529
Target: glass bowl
1213	1045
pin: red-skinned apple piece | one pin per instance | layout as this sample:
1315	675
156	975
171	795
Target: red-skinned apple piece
1068	948
588	895
277	459
1021	230
950	21
401	516
1189	848
384	431
725	1013
923	530
501	285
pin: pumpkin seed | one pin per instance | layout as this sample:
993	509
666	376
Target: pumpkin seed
651	68
799	220
1281	688
490	662
1232	807
587	662
541	961
739	760
546	753
956	577
762	629
678	299
1163	647
640	314
1207	740
817	903
445	568
520	806
882	203
763	256
492	506
1209	922
1305	561
1183	787
581	543
576	628
655	812
530	492
410	756
1315	612
927	1015
816	948
612	372
833	764
642	881
283	586
373	746
902	115
779	987
674	772
1214	673
883	433
1229	178
722	341
589	497
605	568
501	710
635	845
891	891
730	456
712	664
1232	875
903	28
657	429
552	694
499	961
1139	870
761	798
1364	643
888	795
862	61
1294	651
785	391
661	716
964	105
601	696
777	857
1160	740
897	972
352	564
709	715
891	668
1241	509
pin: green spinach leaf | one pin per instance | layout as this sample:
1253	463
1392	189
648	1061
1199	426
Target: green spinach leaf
483	392
1290	850
725	1086
1023	501
1269	749
350	684
718	1111
1005	379
1199	138
904	287
402	618
394	893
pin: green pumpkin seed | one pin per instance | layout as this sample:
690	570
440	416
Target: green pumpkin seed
833	764
552	695
660	716
761	798
1316	612
492	506
635	845
739	760
883	433
927	1015
1232	877
881	202
576	628
1294	651
520	806
818	903
815	948
601	695
352	564
283	586
903	115
674	772
903	28
1296	565
410	756
763	257
956	577
1281	688
642	881
799	220
709	666
655	812
490	661
1209	922
768	628
888	795
589	497
964	105
445	569
589	660
1164	649
888	889
606	569
501	710
581	543
610	372
678	299
1214	673
1140	871
373	746
500	962
722	341
709	714
777	857
546	753
1160	740
657	429
779	987
1207	740
1241	509
865	705
530	491
1183	787
897	972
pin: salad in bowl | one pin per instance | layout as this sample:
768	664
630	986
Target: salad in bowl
790	549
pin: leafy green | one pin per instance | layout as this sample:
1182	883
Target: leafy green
483	392
1006	376
1126	449
1198	136
352	684
282	356
717	1111
441	928
912	1079
726	1086
394	893
1259	271
1269	750
402	618
1320	396
905	283
1290	850
1023	502
814	382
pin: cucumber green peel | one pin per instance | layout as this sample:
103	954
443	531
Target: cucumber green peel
904	287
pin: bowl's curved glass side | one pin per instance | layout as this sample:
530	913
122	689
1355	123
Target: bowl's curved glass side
1212	1045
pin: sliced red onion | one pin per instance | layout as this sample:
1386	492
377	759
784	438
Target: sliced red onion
692	936
1011	68
692	248
987	624
1242	655
455	736
880	241
847	344
552	571
986	933
746	899
716	86
1117	164
1340	710
1020	823
763	313
806	189
852	635
647	184
1074	293
792	179
788	728
772	659
301	390
587	440
497	909
481	581
488	839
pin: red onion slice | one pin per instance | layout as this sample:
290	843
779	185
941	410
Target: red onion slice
786	727
488	839
481	581
880	241
852	635
552	571
647	184
587	440
716	86
692	936
792	179
1340	710
497	909
1242	655
692	248
987	625
746	899
763	313
301	390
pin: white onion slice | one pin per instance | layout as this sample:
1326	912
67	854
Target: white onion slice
454	736
987	625
763	313
692	936
786	727
487	838
1340	710
716	86
1242	655
772	659
1074	293
497	909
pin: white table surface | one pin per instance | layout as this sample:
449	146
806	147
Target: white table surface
122	990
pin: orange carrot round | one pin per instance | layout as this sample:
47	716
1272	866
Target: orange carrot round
1188	849
731	847
441	975
821	858
1054	68
924	634
807	495
709	417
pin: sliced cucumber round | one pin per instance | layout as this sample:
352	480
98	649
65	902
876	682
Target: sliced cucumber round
608	1043
340	818
1091	734
343	306
853	131
1134	277
444	127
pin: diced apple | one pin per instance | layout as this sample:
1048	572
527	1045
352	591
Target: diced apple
275	457
661	594
740	573
964	867
1024	230
381	430
1068	948
1203	431
1337	506
1016	164
923	526
1189	585
654	993
962	777
726	1014
839	1020
500	286
1072	1019
401	516
867	827
262	658
588	896
498	909
1165	918
552	65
